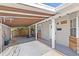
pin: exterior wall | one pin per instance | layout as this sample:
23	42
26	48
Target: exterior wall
19	31
1	40
62	36
45	31
6	35
72	13
6	29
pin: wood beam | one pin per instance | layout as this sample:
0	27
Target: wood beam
18	15
24	11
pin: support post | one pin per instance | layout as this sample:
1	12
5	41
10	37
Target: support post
53	32
36	31
77	33
77	29
29	31
1	38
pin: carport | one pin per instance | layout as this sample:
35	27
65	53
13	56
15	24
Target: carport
21	21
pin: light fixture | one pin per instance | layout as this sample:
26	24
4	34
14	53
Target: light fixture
4	19
1	19
59	16
11	19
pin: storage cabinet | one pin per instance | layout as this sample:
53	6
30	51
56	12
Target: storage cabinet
73	43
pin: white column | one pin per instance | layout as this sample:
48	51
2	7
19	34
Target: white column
36	31
53	32
77	28
1	38
29	31
77	33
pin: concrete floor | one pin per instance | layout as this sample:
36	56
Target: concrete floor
65	50
30	47
47	42
33	48
19	40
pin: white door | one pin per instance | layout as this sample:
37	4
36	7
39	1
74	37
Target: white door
63	33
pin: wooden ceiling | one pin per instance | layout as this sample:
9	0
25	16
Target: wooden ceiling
21	19
21	22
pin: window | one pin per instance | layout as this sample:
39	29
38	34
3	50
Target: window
73	27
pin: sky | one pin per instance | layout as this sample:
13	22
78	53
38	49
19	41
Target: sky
53	4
